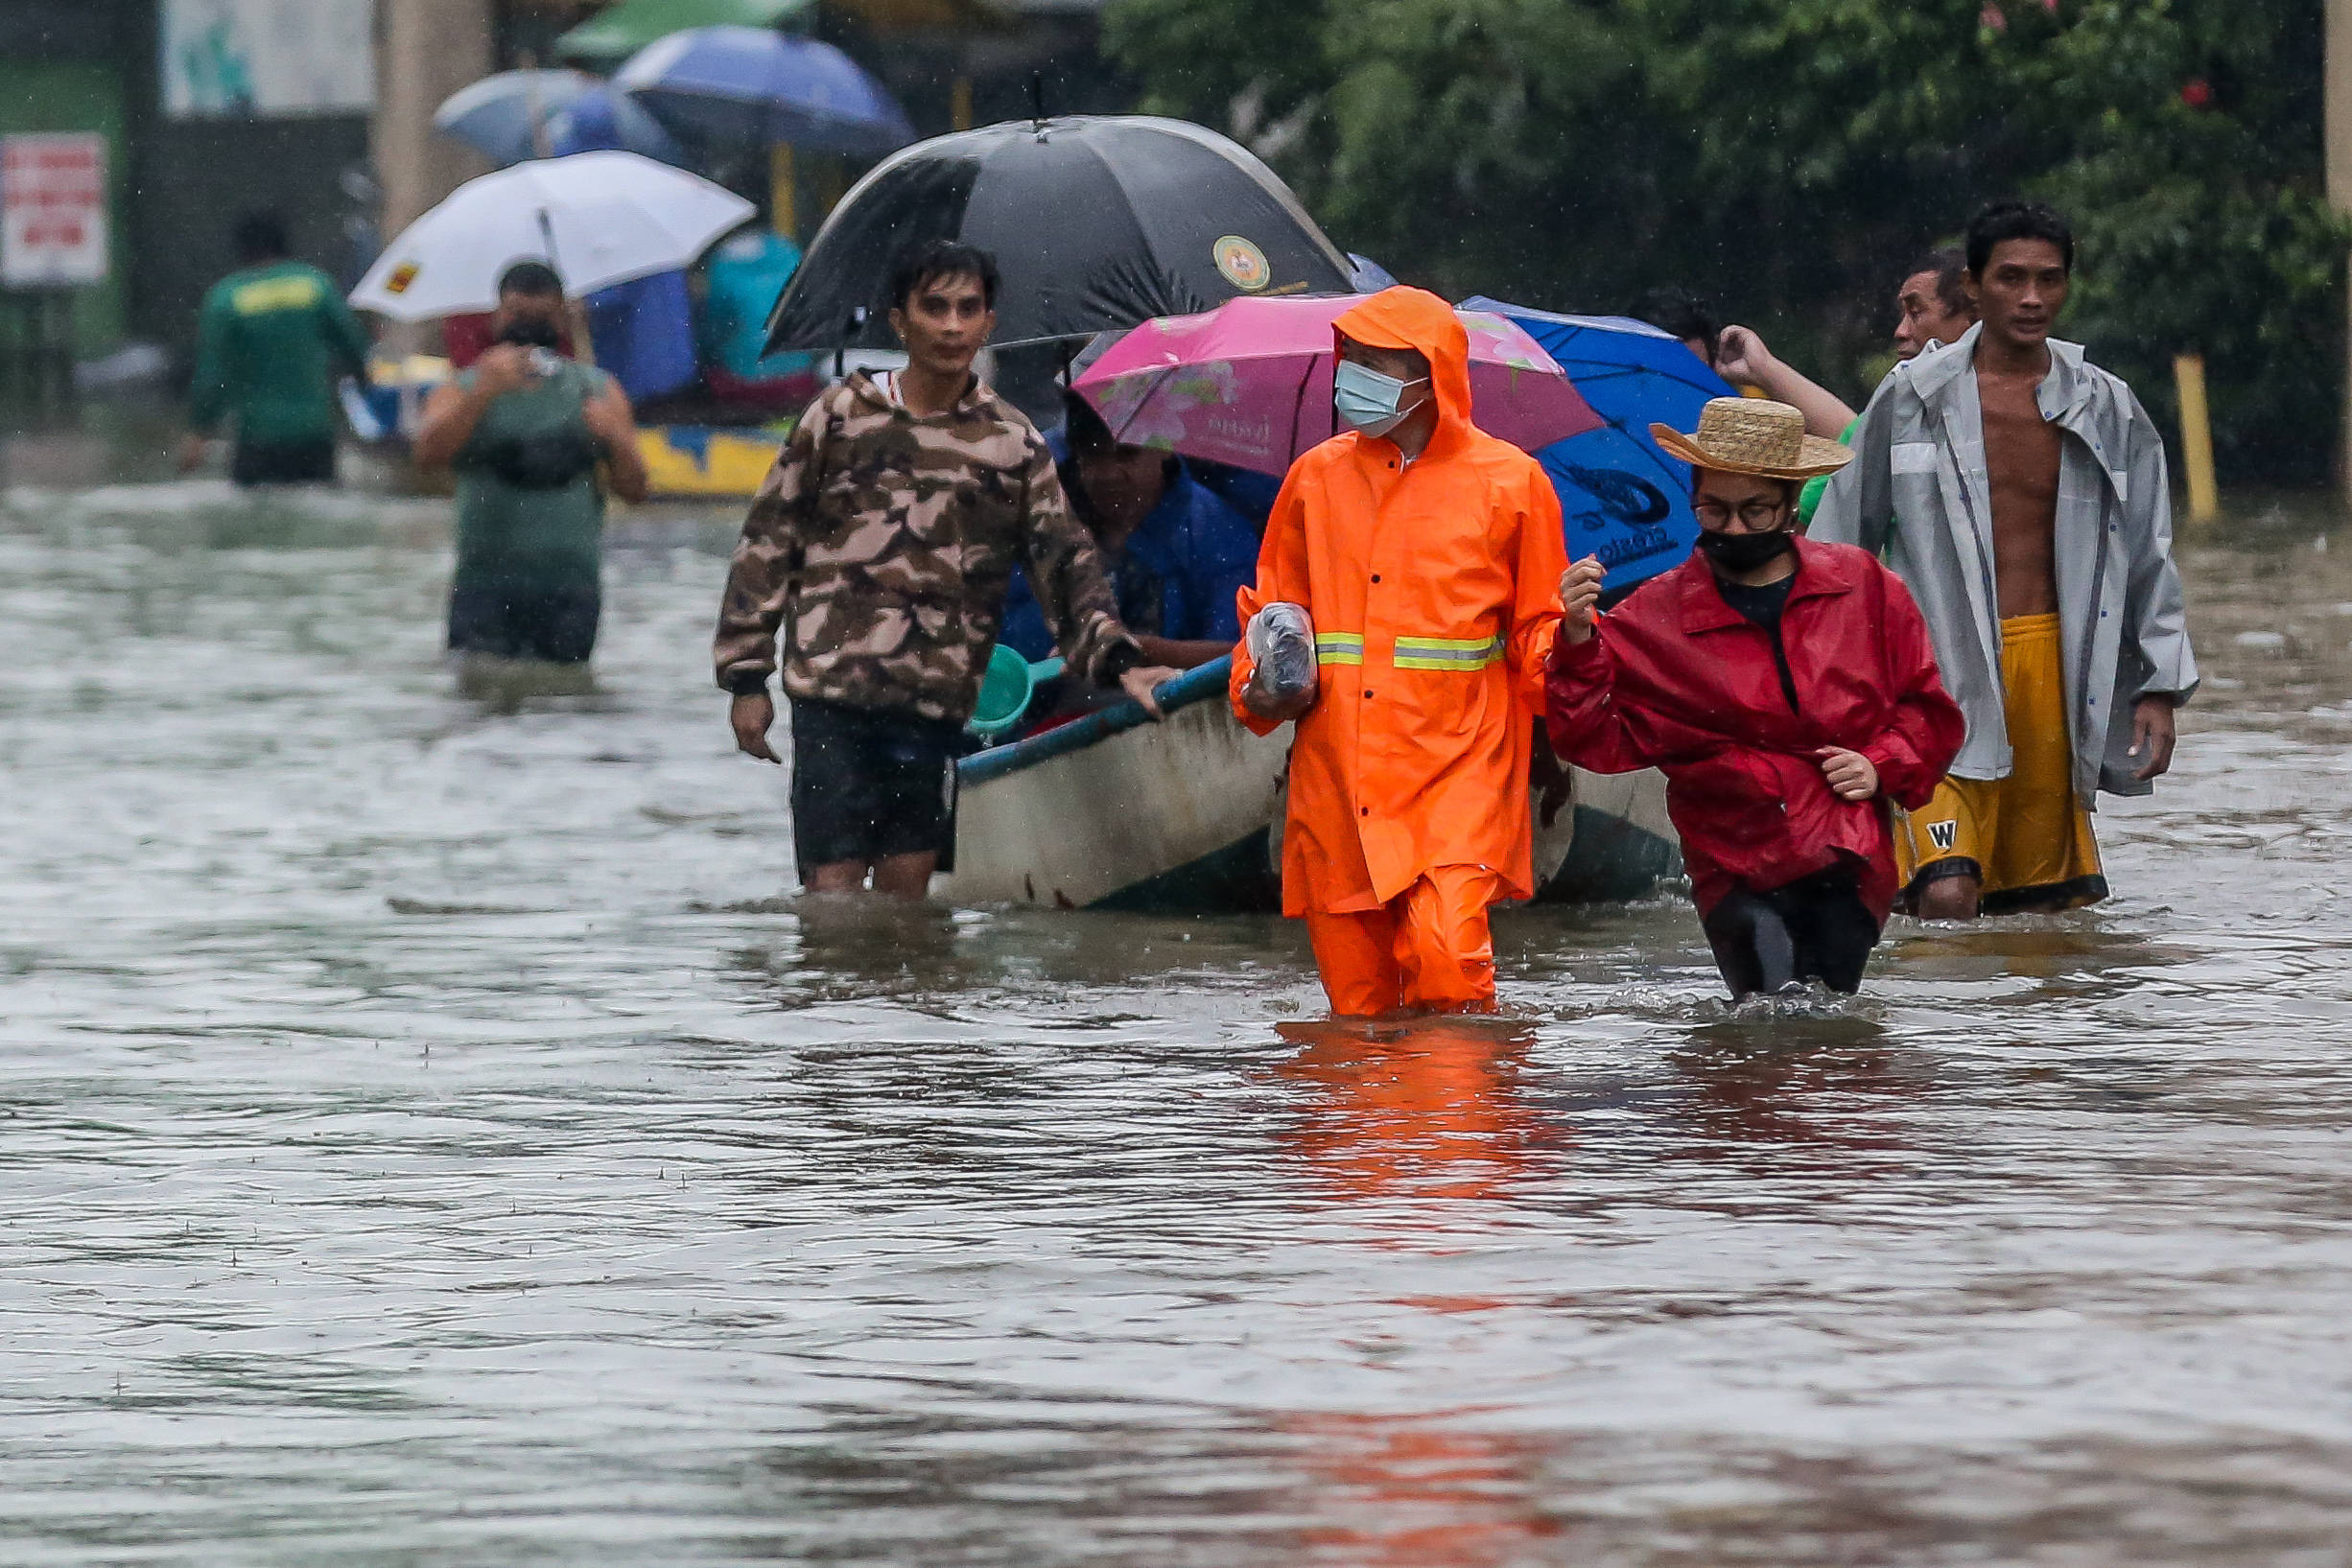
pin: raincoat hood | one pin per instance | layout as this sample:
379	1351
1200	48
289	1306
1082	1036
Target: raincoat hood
1414	318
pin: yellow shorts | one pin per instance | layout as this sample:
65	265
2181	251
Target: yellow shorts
2024	837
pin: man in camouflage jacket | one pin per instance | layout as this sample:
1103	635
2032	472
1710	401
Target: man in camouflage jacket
883	542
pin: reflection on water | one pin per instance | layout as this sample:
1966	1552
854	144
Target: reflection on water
432	1129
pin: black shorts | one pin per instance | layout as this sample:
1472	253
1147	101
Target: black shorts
868	784
283	462
517	620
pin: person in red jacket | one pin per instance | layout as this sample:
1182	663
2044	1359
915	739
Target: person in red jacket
1788	690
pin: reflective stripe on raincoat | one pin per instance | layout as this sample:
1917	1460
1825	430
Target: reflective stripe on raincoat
1434	588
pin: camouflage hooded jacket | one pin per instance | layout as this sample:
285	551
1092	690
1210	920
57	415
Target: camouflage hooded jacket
882	543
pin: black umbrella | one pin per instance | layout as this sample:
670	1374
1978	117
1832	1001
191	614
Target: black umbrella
1096	222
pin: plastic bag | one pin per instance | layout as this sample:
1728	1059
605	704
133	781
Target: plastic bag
1281	641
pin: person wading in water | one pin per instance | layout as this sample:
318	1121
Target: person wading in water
2020	492
1787	690
269	340
1424	553
526	430
886	534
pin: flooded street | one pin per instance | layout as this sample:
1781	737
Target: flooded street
430	1134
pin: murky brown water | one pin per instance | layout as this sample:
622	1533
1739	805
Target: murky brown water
427	1137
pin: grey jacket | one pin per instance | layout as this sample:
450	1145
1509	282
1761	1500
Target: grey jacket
1920	459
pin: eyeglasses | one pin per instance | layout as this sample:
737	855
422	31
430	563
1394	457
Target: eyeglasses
1756	515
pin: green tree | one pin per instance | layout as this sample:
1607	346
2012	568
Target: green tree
1788	157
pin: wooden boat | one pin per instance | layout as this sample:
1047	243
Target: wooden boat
1113	812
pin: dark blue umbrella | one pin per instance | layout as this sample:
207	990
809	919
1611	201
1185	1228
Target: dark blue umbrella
1620	497
747	87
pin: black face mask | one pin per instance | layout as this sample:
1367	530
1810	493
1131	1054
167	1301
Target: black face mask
530	330
1744	552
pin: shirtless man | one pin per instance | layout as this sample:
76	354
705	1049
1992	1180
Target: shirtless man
2069	662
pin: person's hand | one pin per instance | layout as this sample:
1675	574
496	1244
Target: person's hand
194	449
1852	776
1275	711
2153	734
1580	591
501	369
1741	358
1138	683
751	714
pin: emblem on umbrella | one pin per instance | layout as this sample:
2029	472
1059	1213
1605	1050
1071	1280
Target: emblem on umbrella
1244	264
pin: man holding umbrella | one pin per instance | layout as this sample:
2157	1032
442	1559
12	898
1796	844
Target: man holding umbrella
1427	553
883	541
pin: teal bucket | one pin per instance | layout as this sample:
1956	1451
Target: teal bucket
1006	691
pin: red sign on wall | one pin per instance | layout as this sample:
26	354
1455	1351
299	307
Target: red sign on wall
52	209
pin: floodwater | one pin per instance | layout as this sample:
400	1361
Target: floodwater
430	1134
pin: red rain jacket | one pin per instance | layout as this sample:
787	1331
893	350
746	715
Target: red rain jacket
1674	678
1434	586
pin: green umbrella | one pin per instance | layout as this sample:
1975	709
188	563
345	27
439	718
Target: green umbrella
604	41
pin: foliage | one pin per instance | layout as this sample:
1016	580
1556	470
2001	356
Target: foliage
1790	156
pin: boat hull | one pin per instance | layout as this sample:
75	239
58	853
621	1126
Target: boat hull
1184	816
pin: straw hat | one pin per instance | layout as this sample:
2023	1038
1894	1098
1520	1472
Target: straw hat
1750	435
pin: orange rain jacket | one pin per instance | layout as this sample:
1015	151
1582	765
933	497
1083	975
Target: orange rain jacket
1434	588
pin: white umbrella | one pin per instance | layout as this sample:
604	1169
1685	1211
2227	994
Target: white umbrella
598	218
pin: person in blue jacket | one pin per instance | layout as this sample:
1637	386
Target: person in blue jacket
1176	554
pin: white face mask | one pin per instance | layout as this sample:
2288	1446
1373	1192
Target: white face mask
1370	402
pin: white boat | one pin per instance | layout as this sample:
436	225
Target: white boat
1113	812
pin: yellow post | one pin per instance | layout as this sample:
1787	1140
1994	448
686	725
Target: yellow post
959	103
2337	75
782	191
2196	438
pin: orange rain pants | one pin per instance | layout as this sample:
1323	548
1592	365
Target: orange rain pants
1427	948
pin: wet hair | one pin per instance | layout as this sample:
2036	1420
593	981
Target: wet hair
923	264
1950	265
532	279
2011	220
260	237
1680	313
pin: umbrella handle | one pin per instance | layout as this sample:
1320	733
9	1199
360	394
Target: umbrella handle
575	311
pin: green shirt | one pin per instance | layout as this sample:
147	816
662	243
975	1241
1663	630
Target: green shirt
1809	499
270	338
513	526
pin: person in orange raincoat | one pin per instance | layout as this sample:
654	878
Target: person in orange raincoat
1428	555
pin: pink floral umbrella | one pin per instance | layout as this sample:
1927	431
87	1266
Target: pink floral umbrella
1250	382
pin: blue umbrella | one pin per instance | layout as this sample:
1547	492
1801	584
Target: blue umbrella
1620	497
604	120
736	87
518	115
504	117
